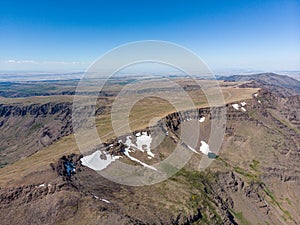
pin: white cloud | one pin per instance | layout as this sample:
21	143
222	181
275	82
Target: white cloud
64	63
13	61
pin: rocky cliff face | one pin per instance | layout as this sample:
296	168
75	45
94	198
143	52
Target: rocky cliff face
255	179
85	196
26	129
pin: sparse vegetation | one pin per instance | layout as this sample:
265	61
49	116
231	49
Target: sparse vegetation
36	126
254	165
254	138
241	218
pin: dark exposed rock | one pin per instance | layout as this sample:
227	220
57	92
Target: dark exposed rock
35	126
61	167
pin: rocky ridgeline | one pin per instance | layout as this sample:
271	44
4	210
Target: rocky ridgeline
230	182
35	109
27	193
173	120
283	174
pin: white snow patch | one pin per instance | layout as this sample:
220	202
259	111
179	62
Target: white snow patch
138	134
243	103
126	152
192	149
243	109
104	200
236	106
128	142
189	119
202	119
143	143
42	185
255	95
101	199
259	101
94	161
167	133
204	148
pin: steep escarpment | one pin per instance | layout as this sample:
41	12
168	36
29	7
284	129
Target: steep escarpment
263	148
86	196
254	180
26	128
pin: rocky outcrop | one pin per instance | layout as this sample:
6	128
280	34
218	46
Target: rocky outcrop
35	109
27	128
230	182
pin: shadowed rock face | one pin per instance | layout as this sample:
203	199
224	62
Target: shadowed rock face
34	109
24	129
31	127
173	120
61	167
86	196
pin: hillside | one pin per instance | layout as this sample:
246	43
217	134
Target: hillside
283	83
254	180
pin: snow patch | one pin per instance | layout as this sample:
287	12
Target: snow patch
243	109
243	103
259	101
202	119
204	148
104	200
255	95
126	152
143	143
101	199
94	161
236	106
189	147
96	197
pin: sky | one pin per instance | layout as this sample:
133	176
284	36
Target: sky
70	35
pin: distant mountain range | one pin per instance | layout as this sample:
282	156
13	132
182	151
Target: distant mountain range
267	79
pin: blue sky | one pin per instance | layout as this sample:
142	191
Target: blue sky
69	35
